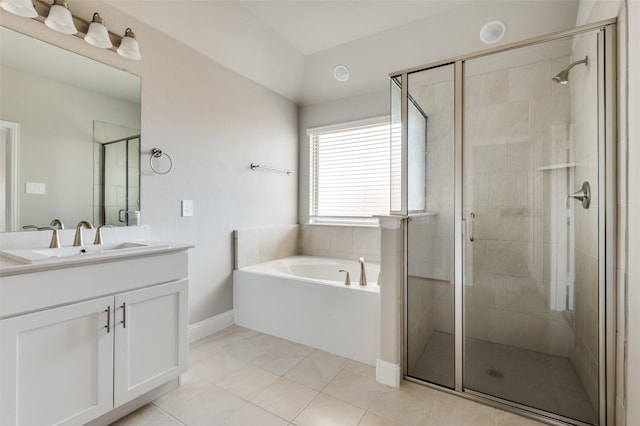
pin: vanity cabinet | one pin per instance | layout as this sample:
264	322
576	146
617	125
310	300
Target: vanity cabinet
57	365
150	339
73	363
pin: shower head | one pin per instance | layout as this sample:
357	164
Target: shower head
563	76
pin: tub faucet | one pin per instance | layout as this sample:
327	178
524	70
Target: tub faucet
77	241
363	277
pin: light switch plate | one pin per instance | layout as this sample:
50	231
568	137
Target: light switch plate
187	208
36	188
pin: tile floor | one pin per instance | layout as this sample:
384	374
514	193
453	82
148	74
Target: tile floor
544	381
241	377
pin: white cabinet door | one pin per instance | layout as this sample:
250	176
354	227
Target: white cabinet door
150	339
56	365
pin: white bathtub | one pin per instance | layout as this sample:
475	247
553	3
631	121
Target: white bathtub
304	299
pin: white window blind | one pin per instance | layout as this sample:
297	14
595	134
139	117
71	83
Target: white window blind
350	171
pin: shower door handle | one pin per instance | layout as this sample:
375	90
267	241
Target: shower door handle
472	218
126	213
583	195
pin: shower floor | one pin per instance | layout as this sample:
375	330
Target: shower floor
530	378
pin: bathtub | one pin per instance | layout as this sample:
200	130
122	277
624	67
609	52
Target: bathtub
304	299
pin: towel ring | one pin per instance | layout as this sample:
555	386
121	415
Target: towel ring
157	153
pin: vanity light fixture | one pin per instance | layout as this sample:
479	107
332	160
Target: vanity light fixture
60	18
97	34
129	46
19	7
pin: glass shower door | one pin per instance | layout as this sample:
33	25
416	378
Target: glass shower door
530	187
430	227
121	196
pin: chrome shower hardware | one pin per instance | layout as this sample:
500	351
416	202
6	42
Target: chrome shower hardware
583	195
563	76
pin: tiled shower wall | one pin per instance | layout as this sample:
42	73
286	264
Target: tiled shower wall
517	121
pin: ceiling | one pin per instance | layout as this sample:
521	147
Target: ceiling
311	26
291	47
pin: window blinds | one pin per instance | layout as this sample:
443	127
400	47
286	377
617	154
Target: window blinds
350	172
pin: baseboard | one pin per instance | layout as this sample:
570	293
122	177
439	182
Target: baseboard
207	327
388	374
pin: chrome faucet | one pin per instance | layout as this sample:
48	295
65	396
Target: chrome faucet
363	277
55	239
58	223
98	239
347	278
77	241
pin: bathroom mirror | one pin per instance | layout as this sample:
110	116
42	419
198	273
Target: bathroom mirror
57	110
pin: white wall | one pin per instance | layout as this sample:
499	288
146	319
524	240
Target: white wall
213	123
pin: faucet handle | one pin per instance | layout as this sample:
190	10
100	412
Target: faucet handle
98	239
347	278
55	239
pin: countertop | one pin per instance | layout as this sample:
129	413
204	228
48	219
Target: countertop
10	266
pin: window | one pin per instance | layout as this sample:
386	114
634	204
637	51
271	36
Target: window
350	171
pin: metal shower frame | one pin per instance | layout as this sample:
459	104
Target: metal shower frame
607	217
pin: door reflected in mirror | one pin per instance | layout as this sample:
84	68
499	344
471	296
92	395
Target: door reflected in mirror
50	99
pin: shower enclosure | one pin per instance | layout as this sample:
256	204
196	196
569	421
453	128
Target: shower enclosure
121	177
116	174
504	168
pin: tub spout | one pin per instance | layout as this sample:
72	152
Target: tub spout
363	276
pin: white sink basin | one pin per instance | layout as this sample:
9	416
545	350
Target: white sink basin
35	255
